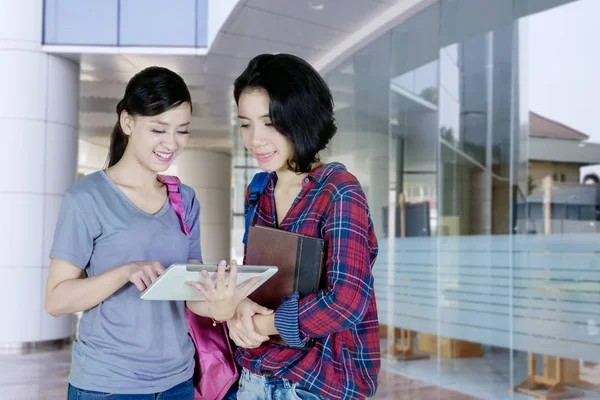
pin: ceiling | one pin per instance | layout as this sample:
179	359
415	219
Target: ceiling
254	27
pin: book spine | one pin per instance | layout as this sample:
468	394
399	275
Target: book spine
309	267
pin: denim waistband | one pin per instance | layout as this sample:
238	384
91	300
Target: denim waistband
267	377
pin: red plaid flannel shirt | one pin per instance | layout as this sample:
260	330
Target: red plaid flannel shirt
345	361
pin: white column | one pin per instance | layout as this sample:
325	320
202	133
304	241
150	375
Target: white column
92	156
209	173
38	119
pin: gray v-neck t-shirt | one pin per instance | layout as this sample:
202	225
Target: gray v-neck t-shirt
127	345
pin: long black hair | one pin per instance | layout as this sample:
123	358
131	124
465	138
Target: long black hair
150	92
300	103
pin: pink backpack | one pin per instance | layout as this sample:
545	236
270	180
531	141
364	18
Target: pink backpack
216	369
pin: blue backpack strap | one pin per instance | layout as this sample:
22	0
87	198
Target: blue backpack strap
257	187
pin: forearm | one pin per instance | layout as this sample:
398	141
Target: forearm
204	309
318	315
328	312
80	294
265	324
198	307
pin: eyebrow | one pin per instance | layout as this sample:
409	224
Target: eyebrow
262	116
166	124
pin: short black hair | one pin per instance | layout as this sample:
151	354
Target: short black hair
300	103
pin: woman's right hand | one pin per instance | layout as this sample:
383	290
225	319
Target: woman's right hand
223	298
143	273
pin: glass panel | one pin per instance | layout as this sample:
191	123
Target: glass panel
470	263
244	168
76	22
415	100
556	269
242	177
201	23
360	86
472	128
158	23
362	116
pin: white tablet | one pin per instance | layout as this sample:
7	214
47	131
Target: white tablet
171	285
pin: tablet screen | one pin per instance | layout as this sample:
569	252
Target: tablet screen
171	285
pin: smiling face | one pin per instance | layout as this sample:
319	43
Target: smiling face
154	142
271	149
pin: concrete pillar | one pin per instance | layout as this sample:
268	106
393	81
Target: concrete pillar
209	173
39	118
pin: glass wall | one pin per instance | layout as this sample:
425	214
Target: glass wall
471	126
155	23
244	168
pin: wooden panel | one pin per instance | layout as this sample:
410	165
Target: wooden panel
448	348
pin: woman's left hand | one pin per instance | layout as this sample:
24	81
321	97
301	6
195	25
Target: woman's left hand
223	299
241	328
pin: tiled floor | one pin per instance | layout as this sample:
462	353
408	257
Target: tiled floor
393	386
43	377
487	377
35	376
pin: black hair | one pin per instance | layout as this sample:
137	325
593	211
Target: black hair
300	103
150	92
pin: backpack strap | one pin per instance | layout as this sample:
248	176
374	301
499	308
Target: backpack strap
257	187
172	183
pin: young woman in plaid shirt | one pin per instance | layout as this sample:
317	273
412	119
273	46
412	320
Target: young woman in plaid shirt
286	118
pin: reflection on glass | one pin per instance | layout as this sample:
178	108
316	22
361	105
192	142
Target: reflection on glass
73	22
139	19
126	23
244	168
557	272
472	125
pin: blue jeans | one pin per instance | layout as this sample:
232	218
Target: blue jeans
263	387
183	391
232	393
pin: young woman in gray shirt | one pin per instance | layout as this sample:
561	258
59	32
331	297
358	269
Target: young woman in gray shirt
118	226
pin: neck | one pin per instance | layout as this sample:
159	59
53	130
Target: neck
288	177
129	172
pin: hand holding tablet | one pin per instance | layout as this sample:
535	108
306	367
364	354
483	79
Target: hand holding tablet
196	282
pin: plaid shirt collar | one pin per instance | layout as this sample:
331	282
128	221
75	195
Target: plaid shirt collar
319	174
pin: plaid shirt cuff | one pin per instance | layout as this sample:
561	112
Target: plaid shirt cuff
286	321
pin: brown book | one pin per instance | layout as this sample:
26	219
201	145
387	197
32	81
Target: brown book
300	259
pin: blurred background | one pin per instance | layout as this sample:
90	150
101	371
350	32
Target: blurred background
471	125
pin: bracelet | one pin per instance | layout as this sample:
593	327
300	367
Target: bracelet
211	317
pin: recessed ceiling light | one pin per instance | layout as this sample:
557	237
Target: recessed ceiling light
316	6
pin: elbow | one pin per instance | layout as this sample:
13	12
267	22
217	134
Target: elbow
52	308
342	315
52	311
349	321
354	313
194	307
